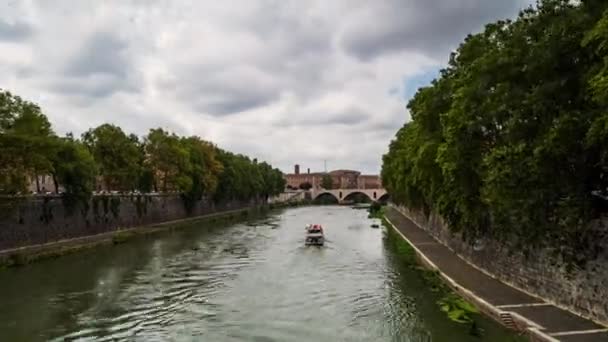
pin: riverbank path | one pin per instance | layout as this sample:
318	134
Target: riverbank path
557	324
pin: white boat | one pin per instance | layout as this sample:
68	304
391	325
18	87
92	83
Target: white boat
314	235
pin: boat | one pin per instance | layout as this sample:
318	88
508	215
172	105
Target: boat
314	235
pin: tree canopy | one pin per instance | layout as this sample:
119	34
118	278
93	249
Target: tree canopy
305	186
107	157
117	155
327	182
510	140
26	142
243	178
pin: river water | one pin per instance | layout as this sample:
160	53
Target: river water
247	281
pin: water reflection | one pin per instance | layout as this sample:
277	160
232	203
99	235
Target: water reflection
252	281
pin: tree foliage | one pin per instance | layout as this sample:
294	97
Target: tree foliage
327	182
161	161
74	168
26	143
510	141
243	178
305	186
117	155
169	161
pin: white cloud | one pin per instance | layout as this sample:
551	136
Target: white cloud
284	81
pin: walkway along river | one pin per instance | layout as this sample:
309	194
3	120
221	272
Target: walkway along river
249	281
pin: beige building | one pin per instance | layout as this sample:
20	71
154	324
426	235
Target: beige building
342	179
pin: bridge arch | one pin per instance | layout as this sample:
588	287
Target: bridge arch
354	194
384	198
326	197
344	194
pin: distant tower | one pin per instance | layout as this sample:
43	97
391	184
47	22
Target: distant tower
308	170
297	169
325	165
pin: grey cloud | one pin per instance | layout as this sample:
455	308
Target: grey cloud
14	31
351	116
433	27
294	53
174	64
347	117
221	92
233	103
95	86
102	53
298	45
391	122
388	125
99	69
288	28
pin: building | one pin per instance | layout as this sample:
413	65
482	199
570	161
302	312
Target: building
369	182
294	180
341	179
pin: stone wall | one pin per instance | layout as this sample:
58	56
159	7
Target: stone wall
583	291
289	196
37	220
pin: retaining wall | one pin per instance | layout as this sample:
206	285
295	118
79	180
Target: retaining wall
581	290
30	221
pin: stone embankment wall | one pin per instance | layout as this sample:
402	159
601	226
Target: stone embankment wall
289	197
583	290
31	221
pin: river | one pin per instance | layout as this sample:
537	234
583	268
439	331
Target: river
246	281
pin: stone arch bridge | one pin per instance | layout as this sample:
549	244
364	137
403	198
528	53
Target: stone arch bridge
342	195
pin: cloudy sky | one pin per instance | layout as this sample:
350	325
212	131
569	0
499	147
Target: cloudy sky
284	81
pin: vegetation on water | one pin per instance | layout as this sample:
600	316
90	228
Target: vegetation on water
376	210
456	308
510	142
107	157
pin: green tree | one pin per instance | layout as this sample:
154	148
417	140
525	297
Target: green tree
305	186
204	171
27	143
75	169
169	161
118	156
162	161
244	179
510	140
272	180
327	182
